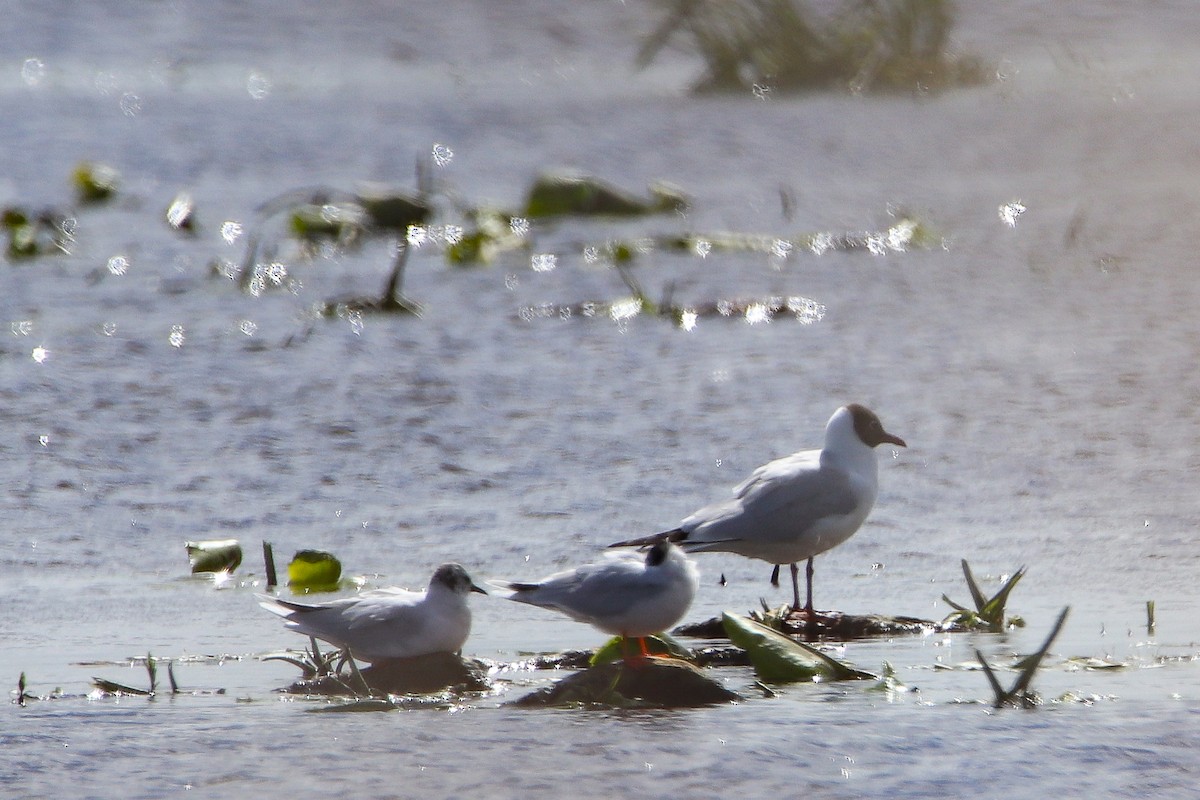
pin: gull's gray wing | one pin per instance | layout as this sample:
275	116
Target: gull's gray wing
780	499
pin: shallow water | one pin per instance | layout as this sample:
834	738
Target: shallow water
1042	373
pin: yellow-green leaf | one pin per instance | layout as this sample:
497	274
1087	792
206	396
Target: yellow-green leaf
314	571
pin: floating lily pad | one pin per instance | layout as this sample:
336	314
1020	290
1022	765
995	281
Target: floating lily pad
314	571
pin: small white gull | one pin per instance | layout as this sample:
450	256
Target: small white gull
795	507
624	596
389	623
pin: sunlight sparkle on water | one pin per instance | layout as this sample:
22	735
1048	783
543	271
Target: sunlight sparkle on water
131	104
118	265
248	327
623	310
258	86
806	309
22	327
702	248
757	313
543	262
1009	212
519	226
176	338
442	155
33	72
687	320
821	243
40	354
231	231
900	235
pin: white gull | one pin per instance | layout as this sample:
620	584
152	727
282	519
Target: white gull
624	596
795	507
389	623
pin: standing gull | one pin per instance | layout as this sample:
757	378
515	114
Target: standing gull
795	507
389	623
624	596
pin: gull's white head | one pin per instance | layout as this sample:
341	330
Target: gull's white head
454	578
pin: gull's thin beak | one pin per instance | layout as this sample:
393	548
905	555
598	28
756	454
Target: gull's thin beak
896	440
475	588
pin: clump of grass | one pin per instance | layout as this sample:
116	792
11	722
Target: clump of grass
989	611
112	687
864	45
1019	695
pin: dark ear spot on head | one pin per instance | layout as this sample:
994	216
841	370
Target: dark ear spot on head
657	554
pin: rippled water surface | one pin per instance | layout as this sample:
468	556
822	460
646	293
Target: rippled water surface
1042	369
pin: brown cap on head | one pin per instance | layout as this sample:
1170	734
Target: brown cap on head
870	429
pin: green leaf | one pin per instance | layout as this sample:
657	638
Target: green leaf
218	555
780	659
993	610
314	571
976	595
660	645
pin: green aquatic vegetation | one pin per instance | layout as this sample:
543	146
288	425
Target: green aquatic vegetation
1019	695
31	235
312	663
95	183
792	45
112	687
342	223
490	233
390	301
659	645
564	194
988	613
218	555
780	659
314	571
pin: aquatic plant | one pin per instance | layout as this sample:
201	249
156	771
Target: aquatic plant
566	193
1019	695
314	571
989	611
112	687
30	235
789	45
95	183
780	659
269	564
217	555
312	663
662	644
